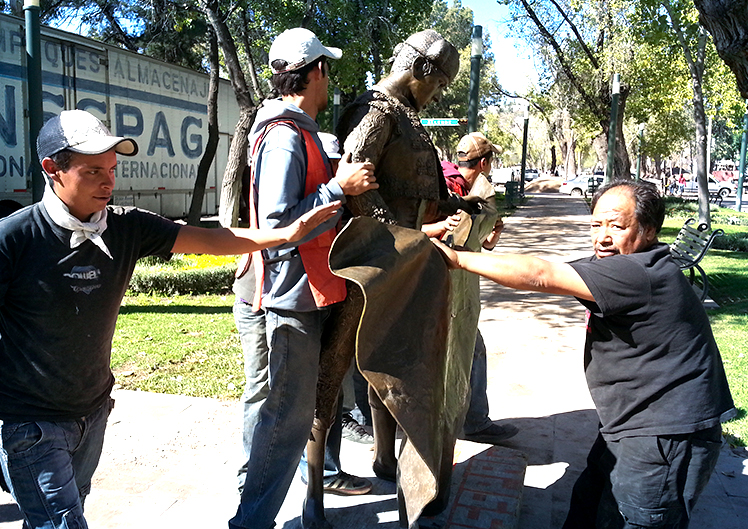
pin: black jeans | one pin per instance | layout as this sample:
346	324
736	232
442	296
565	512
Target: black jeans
643	481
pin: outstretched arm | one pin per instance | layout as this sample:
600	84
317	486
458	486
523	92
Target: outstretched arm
522	272
235	241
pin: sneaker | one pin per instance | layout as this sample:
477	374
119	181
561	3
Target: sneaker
492	435
344	484
353	431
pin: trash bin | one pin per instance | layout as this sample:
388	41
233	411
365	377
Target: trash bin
592	186
511	193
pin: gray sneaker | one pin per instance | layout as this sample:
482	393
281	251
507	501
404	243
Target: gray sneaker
353	431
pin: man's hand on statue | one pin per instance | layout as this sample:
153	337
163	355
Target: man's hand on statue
311	219
355	178
450	256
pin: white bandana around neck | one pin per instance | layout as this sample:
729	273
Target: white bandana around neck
60	215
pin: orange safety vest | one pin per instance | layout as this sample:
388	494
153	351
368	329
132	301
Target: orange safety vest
326	288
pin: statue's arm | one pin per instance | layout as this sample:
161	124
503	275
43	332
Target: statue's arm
366	142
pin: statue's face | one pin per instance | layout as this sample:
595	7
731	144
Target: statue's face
429	88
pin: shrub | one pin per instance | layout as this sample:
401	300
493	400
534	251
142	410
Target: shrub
184	274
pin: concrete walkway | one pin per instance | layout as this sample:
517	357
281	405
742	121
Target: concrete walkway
169	461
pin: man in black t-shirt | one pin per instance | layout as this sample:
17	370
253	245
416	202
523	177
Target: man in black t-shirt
651	362
65	264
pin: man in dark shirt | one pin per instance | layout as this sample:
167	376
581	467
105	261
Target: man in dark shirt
651	362
65	264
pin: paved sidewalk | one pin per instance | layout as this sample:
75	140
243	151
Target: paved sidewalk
169	461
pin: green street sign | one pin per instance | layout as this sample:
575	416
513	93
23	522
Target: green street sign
440	122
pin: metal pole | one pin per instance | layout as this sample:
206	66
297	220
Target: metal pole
475	58
335	109
709	147
641	155
741	171
34	80
613	127
524	151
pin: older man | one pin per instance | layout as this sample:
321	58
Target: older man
652	365
65	264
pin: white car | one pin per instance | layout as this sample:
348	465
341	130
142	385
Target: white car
721	187
580	185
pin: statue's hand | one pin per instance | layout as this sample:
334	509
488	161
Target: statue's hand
471	205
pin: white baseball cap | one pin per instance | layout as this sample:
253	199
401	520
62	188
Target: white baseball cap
331	145
299	47
81	132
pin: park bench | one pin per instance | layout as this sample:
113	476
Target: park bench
689	249
716	198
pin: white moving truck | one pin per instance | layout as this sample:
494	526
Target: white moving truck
161	106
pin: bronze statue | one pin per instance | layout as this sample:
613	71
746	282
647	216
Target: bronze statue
383	126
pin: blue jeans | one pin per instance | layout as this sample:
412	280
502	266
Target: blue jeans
285	418
252	333
477	415
251	328
637	482
49	465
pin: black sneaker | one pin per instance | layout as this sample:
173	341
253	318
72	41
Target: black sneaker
344	484
353	431
494	434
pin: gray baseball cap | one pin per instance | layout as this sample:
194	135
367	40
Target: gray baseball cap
81	132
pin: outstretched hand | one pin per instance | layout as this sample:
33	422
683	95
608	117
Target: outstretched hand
450	256
355	178
311	219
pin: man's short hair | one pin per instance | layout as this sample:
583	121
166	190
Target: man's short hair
430	45
63	159
295	81
649	206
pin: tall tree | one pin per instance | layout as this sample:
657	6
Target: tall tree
196	205
591	47
727	21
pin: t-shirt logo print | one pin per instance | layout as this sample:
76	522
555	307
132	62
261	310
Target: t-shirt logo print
82	277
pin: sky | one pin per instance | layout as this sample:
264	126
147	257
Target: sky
514	66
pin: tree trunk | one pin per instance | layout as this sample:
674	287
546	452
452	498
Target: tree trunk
196	206
621	160
228	213
727	21
696	69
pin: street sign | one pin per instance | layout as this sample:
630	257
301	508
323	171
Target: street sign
440	122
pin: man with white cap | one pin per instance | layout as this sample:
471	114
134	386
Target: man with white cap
294	285
65	264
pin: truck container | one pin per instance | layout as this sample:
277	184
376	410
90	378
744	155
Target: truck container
161	106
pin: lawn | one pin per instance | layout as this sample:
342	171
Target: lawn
728	286
186	345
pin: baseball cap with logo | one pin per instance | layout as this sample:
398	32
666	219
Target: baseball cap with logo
299	47
473	146
81	132
331	145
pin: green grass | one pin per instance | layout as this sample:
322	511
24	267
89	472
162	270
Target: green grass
185	345
728	286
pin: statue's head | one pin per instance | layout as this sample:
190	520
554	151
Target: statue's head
431	60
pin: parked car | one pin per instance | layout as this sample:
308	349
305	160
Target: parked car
580	185
531	174
722	188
